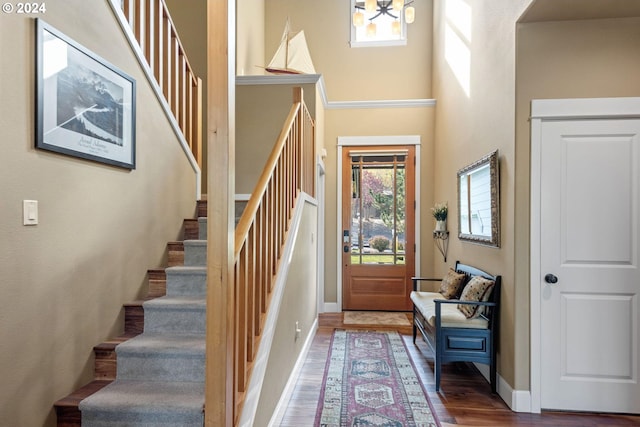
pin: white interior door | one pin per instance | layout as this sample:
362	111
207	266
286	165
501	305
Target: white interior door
589	233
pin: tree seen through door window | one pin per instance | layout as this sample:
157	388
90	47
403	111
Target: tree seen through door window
378	210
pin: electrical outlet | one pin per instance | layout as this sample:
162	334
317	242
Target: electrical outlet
298	330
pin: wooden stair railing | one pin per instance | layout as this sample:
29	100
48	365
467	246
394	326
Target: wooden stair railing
156	34
262	232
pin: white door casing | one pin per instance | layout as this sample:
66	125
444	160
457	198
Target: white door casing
320	197
589	236
585	231
350	141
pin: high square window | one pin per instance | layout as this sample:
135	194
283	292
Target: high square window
383	26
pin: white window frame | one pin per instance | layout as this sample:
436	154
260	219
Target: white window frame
402	41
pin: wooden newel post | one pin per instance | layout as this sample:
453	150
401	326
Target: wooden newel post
219	388
298	97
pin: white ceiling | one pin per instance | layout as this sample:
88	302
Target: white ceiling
571	10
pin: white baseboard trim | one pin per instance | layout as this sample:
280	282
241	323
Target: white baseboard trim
516	400
281	407
331	307
521	401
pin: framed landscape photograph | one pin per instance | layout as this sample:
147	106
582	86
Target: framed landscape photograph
85	106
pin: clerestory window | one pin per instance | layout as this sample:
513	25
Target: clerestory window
377	26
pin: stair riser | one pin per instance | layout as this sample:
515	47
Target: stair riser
133	319
174	321
157	283
202	228
68	417
161	367
181	283
106	364
191	229
195	253
201	210
175	254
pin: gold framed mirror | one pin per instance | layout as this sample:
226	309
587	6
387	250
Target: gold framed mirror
479	201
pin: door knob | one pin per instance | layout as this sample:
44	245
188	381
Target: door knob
551	278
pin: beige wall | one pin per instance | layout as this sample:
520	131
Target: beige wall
66	279
250	37
261	111
554	60
362	74
355	73
470	126
568	59
299	302
367	122
101	227
191	25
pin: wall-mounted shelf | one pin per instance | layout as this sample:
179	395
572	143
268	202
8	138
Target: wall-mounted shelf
441	239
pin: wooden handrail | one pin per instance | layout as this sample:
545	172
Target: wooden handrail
262	231
158	39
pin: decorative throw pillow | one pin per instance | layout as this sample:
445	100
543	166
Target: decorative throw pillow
452	283
478	289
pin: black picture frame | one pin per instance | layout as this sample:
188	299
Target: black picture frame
85	106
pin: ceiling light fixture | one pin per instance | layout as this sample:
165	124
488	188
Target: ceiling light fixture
377	8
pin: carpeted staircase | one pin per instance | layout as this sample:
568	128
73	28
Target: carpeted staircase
160	373
153	375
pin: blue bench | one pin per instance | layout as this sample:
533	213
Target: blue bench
451	335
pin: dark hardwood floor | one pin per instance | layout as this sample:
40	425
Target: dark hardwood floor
464	399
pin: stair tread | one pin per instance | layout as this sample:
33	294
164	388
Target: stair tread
132	396
111	343
187	269
151	343
195	242
74	398
139	303
177	301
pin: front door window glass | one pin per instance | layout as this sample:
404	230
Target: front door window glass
378	209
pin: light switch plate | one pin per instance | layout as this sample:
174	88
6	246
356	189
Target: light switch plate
30	212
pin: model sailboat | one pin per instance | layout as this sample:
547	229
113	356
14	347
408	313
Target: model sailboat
292	56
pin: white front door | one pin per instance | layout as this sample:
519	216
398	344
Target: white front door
589	269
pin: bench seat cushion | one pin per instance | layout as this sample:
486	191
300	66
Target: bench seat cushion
451	316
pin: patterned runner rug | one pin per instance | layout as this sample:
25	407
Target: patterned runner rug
369	380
